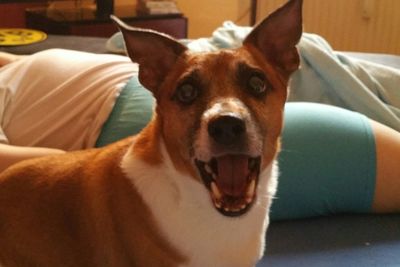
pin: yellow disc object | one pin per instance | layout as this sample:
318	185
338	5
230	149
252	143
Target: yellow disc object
16	36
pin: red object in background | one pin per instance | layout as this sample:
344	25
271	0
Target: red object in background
13	14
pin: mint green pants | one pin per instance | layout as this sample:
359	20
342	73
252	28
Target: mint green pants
327	163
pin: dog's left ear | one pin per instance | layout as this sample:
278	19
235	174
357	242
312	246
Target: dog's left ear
277	35
155	53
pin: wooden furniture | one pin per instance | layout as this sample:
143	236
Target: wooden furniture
12	12
87	22
253	12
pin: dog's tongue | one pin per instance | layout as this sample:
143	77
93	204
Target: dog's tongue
232	174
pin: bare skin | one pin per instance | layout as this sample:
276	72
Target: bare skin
6	58
387	189
10	154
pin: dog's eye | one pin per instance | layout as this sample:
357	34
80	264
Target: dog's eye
186	93
257	85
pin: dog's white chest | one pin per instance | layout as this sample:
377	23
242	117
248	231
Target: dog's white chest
188	220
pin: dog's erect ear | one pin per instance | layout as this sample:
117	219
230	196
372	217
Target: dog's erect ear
155	53
277	35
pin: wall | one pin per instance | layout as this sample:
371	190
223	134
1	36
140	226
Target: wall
353	25
205	16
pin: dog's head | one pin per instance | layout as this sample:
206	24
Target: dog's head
220	114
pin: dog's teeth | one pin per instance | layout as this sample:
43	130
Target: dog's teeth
227	209
249	200
250	191
251	188
217	204
214	188
242	207
208	169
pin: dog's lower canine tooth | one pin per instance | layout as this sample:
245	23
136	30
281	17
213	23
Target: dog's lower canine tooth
208	169
215	191
227	209
250	191
249	199
251	188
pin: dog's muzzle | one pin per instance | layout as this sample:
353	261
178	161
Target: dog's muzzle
231	176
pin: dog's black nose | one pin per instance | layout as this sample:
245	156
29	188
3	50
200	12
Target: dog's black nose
227	130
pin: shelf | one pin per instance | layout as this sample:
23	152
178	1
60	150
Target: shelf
87	22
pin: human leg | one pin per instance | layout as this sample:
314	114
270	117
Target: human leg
337	152
327	163
387	189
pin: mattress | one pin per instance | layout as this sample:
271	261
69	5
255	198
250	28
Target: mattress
98	45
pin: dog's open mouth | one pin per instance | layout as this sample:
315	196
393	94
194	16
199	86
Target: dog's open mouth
232	181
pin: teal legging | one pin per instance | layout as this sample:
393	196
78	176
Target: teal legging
327	163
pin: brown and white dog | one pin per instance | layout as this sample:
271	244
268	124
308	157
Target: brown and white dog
192	189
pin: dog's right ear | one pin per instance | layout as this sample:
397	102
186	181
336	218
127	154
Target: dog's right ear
277	35
155	53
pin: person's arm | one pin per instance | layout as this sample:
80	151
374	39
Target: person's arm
10	154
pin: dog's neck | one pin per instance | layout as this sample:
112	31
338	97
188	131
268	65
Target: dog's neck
147	147
182	207
147	143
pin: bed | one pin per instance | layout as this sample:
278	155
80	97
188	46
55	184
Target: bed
98	45
337	240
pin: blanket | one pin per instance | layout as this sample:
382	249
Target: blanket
325	76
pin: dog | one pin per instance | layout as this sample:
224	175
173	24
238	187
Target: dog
193	188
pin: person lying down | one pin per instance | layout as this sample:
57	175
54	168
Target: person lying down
332	160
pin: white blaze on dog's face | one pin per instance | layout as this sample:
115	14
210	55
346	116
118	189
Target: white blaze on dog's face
220	114
222	122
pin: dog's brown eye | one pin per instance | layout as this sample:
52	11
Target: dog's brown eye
257	85
186	93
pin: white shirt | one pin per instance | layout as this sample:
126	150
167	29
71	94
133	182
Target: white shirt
60	98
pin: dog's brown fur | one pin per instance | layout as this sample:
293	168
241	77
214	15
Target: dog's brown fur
58	218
